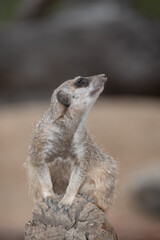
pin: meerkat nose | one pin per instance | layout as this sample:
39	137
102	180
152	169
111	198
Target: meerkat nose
104	77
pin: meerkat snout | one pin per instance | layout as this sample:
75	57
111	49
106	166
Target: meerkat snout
104	75
80	92
98	84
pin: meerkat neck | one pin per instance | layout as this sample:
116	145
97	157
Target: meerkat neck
69	119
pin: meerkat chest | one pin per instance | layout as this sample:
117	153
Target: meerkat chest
59	144
65	142
60	171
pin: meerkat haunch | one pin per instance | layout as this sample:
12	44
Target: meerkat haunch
63	158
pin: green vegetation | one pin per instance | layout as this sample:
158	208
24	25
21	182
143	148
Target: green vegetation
150	8
55	6
7	8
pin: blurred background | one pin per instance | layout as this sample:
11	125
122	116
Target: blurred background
45	42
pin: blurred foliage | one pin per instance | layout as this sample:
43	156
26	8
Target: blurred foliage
7	8
55	6
151	8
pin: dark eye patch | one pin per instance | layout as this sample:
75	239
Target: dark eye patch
82	82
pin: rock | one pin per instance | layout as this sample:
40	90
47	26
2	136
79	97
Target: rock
84	220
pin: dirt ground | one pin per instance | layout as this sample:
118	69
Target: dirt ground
126	128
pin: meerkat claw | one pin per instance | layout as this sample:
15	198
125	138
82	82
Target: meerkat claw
49	202
56	207
87	197
64	211
66	208
90	199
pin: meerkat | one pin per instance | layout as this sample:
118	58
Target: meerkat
63	158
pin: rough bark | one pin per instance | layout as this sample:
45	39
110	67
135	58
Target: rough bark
83	221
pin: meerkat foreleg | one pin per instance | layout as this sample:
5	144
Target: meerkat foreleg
44	178
76	179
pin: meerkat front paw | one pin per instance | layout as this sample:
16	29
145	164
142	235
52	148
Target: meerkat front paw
87	197
65	203
64	207
50	201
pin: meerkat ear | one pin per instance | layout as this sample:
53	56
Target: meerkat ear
63	98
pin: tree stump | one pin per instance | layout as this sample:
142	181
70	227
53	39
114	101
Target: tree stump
83	221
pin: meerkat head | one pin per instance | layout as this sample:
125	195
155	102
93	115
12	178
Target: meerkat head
80	93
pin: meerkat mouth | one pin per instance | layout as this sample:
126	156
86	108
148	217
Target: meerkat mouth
96	89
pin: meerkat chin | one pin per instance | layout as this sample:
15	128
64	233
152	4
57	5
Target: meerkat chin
63	158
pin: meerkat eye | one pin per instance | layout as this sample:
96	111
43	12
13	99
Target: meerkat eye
82	82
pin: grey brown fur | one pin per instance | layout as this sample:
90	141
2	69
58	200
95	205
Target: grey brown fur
63	158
